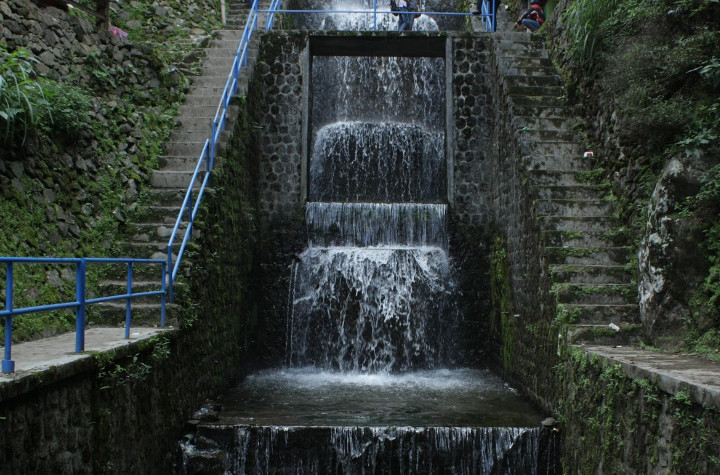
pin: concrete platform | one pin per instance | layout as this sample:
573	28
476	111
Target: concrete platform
699	377
42	362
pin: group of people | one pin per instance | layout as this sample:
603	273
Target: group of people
532	18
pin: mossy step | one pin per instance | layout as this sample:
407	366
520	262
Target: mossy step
565	238
556	162
588	256
157	232
546	135
604	335
179	162
575	207
173	179
553	80
542	146
595	294
590	274
168	196
520	99
599	314
156	214
567	192
556	177
577	223
560	123
536	91
541	112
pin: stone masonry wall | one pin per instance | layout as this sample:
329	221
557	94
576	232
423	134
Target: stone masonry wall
472	116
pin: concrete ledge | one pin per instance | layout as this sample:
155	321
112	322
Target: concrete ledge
700	378
44	362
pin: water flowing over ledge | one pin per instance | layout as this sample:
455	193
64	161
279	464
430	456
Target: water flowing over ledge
376	224
377	162
359	450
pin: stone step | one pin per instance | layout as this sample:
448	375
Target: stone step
540	67
558	238
577	223
534	91
542	146
176	179
535	123
556	162
555	177
596	274
594	294
537	101
145	232
205	91
188	149
523	80
605	335
577	191
191	135
596	314
547	135
619	255
541	112
166	196
178	162
191	110
194	122
577	207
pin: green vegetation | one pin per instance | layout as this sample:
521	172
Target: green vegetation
77	150
604	430
502	322
657	66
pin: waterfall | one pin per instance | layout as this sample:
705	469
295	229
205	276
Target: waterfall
373	380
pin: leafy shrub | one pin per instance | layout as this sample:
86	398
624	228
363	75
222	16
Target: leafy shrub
21	97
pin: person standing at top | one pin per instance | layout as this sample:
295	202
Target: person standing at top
401	8
533	17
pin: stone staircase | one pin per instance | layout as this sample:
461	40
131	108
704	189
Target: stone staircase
585	247
170	181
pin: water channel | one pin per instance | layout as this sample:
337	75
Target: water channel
373	380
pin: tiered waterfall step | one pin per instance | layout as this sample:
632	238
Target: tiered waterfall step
151	232
585	249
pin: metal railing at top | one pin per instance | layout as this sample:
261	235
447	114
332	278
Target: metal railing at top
206	161
81	301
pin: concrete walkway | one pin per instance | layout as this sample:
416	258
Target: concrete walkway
43	362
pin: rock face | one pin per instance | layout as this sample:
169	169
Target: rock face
670	264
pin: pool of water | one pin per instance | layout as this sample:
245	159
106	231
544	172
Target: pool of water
439	398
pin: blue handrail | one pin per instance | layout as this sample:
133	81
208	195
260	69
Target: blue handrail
81	301
206	161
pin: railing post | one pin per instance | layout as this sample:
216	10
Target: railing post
162	297
128	304
170	273
80	270
375	14
8	365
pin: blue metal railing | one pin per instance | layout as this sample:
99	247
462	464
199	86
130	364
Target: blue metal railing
206	161
81	301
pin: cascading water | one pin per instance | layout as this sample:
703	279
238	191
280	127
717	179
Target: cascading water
374	379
